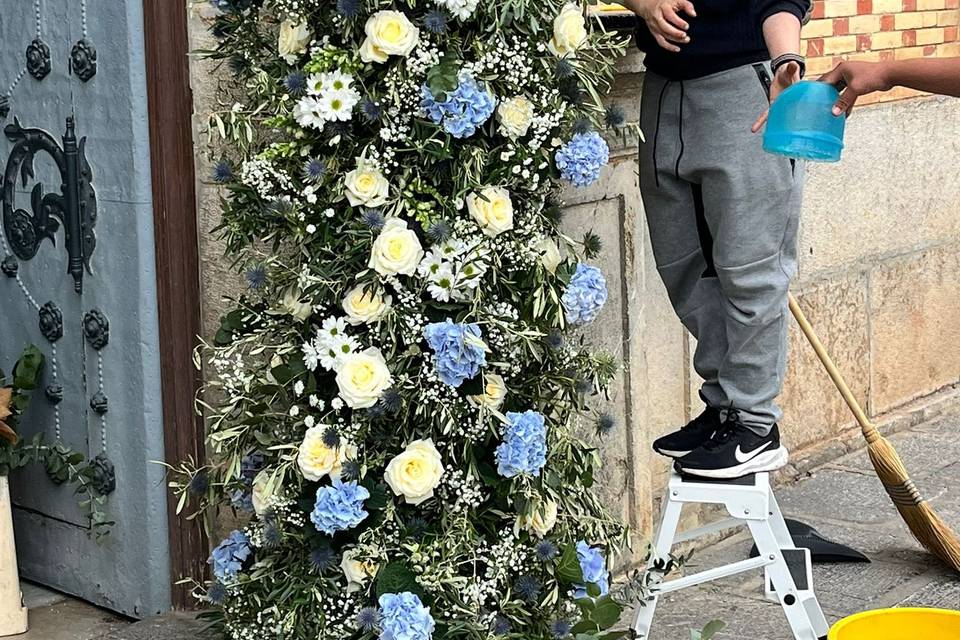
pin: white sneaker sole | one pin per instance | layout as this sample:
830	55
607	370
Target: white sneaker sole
671	454
766	461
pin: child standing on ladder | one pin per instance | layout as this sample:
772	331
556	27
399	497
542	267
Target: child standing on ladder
722	214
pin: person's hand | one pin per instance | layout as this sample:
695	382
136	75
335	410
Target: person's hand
664	21
855	79
787	75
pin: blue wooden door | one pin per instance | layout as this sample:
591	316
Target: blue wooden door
84	291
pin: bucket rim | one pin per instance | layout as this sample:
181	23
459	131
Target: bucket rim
840	625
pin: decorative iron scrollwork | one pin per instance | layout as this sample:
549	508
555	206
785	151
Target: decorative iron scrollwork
75	208
83	60
51	322
96	329
38	59
10	266
103	475
54	393
99	403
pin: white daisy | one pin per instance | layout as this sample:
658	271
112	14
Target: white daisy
338	105
332	327
315	84
310	356
431	264
335	81
336	349
309	113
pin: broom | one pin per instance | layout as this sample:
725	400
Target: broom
927	527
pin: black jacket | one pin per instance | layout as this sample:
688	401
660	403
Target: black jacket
725	34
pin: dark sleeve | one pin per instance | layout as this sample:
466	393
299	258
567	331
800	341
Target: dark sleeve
799	8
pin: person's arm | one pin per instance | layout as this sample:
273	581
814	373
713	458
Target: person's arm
782	20
933	75
664	20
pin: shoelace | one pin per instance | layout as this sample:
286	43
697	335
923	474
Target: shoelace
726	431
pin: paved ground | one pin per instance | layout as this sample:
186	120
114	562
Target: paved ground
846	503
843	500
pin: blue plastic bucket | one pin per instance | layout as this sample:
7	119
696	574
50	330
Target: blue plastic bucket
801	123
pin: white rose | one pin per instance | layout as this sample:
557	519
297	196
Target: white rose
389	33
515	116
569	31
293	40
541	521
291	304
396	250
366	186
492	209
494	391
357	573
416	472
261	492
363	377
549	254
365	306
316	460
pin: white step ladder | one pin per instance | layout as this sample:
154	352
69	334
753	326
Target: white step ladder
749	501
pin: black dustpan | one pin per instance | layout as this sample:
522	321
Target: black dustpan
821	549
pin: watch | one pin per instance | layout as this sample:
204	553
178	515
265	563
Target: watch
781	60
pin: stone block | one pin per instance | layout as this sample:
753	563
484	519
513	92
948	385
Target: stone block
914	334
895	189
814	411
840	496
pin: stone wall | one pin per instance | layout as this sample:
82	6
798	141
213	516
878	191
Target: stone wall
879	244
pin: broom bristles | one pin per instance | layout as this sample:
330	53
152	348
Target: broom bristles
925	524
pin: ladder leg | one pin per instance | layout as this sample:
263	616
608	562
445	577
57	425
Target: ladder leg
780	530
669	522
793	602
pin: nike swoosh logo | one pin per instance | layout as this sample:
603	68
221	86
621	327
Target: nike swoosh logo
746	457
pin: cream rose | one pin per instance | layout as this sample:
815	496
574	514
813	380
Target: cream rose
569	31
396	250
363	377
262	492
293	40
389	33
291	304
316	460
363	305
492	209
357	573
416	472
494	391
515	116
549	254
366	186
541	521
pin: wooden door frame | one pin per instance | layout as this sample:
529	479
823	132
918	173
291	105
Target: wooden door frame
170	109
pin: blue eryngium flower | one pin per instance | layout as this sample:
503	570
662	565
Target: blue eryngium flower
581	159
594	568
459	351
295	83
228	557
403	617
524	446
585	295
339	507
464	109
222	172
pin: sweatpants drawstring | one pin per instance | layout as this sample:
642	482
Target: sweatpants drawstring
656	132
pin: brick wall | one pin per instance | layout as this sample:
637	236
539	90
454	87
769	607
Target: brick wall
875	30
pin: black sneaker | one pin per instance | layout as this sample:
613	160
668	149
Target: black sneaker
735	451
690	437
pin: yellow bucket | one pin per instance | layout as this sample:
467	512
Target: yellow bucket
899	624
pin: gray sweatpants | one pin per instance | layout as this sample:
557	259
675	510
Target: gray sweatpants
723	218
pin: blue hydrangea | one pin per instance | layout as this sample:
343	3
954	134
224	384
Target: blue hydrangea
585	295
458	349
229	556
464	109
339	507
242	499
403	617
594	568
581	159
524	446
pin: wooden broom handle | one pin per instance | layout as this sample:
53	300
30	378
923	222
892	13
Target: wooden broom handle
869	430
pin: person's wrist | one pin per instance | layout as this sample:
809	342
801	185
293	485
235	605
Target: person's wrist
781	62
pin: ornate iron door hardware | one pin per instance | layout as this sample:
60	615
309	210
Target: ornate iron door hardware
75	207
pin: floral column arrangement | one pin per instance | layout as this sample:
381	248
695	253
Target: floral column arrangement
395	402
